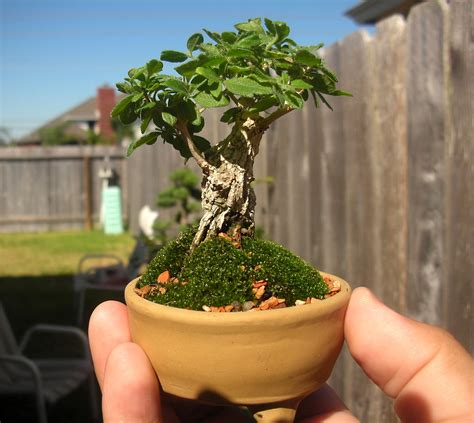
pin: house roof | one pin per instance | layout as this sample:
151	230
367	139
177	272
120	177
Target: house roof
83	112
372	11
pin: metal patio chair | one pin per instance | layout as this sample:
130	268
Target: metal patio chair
106	272
48	379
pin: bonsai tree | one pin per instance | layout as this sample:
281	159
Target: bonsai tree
256	75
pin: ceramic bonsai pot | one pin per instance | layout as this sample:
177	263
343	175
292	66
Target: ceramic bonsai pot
268	359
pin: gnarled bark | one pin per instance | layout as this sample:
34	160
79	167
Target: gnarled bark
228	199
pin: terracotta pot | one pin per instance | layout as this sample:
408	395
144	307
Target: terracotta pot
271	358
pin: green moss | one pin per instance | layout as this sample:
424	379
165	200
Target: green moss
171	257
288	276
218	274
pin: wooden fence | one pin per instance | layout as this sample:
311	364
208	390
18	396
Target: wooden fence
53	188
378	191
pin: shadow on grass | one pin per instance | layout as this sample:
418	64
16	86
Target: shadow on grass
50	299
31	300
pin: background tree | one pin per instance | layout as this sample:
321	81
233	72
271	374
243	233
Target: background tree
183	198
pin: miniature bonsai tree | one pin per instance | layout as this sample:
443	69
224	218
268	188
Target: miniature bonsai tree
256	74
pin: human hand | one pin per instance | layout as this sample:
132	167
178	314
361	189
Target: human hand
427	373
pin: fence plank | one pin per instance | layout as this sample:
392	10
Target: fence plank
298	178
278	192
460	175
427	130
389	148
327	170
363	265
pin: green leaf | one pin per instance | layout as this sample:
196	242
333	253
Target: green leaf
208	74
201	143
128	115
299	83
239	52
138	96
264	104
146	121
229	37
121	106
206	99
214	61
154	66
307	58
187	111
210	49
329	74
151	137
216	89
169	118
294	100
180	144
253	25
187	69
270	26
251	40
213	35
177	85
173	56
341	93
282	30
229	115
246	87
194	41
124	87
196	125
324	100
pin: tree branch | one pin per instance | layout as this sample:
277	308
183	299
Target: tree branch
266	122
234	99
201	161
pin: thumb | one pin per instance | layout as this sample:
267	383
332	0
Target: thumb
422	367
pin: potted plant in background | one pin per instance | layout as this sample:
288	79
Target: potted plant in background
182	197
217	303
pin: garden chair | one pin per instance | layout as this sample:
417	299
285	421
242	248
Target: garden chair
48	379
111	277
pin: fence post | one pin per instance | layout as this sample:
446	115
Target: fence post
87	191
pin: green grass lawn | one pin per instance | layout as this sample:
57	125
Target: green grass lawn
56	253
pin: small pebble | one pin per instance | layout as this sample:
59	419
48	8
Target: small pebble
300	302
260	292
248	305
237	306
206	308
163	277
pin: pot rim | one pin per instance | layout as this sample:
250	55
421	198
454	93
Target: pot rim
290	315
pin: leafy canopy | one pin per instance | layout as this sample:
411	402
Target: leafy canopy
256	70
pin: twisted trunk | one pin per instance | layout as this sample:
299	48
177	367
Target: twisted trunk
228	199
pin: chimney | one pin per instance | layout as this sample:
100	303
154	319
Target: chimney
105	102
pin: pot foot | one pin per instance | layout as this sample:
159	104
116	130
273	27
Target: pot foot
281	412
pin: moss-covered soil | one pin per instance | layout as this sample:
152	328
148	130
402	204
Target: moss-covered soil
218	274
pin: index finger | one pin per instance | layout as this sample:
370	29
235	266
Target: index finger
108	327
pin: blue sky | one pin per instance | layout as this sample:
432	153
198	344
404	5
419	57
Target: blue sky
55	53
